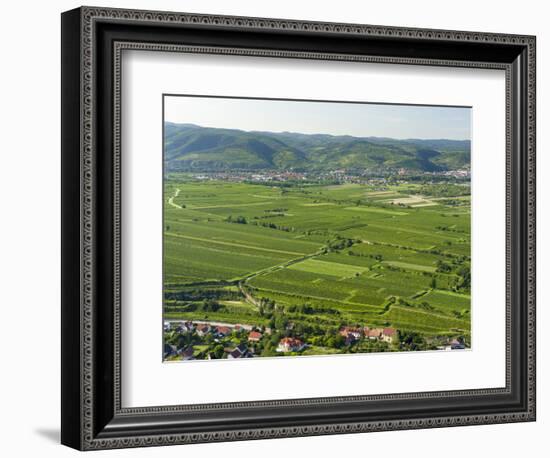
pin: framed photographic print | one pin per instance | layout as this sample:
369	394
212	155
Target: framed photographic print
277	228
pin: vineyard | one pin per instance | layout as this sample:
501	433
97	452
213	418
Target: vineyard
317	257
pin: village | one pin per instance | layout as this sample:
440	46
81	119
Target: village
370	176
193	340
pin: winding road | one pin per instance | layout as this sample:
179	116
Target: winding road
171	199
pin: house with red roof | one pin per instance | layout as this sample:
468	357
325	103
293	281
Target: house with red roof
254	336
203	329
351	333
389	335
374	333
223	331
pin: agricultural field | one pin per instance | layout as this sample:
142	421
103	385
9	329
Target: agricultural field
307	261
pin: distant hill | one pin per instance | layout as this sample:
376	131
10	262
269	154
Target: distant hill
189	147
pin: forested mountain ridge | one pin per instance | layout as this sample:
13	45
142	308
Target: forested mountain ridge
189	147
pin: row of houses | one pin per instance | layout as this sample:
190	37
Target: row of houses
201	328
188	353
220	330
352	334
286	344
388	335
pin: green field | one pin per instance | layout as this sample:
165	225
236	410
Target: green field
306	259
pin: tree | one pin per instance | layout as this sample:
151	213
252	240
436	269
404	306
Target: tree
239	219
274	340
184	340
335	341
443	267
464	272
210	305
412	341
266	306
218	351
268	349
281	322
208	338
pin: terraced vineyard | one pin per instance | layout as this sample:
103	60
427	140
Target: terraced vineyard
306	259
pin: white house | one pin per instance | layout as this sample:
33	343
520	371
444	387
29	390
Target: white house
287	344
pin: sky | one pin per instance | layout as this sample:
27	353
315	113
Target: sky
309	117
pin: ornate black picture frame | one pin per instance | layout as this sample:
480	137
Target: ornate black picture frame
92	41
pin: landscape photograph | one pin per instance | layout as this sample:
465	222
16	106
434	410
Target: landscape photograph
296	228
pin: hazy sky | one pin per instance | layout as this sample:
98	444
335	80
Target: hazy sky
357	119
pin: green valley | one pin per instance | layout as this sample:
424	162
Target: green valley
282	262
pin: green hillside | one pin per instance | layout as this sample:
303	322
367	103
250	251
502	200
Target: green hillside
189	147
